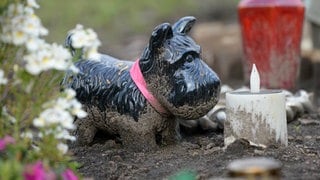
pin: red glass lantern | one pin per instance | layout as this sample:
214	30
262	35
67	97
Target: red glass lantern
271	36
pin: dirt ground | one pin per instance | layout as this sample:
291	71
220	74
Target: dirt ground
205	155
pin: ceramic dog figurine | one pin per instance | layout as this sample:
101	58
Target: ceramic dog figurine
138	102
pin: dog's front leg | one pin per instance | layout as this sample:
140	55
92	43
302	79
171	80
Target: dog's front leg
169	132
137	138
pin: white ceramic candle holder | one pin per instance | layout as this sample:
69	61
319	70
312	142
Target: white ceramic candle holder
258	116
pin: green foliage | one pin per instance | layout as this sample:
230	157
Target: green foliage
113	18
22	100
183	175
24	94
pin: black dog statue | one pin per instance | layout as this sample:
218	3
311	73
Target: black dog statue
138	102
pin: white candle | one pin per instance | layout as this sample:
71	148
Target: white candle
254	80
256	115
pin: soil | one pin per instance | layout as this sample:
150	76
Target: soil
203	154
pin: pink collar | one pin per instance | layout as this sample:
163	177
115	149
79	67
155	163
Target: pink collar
138	79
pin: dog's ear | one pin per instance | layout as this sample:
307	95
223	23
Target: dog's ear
161	33
184	25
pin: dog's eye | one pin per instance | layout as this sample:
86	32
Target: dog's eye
189	58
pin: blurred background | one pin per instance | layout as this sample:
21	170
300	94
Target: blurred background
124	28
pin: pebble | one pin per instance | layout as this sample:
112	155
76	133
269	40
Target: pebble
194	154
308	137
112	166
106	153
299	139
212	150
117	158
189	145
209	146
290	138
141	154
309	122
258	152
144	170
299	146
296	158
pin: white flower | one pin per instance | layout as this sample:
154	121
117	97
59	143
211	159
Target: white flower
64	134
74	69
7	115
39	122
6	37
79	39
3	80
69	93
34	44
53	116
61	56
68	123
33	3
87	40
76	109
27	135
79	27
92	54
63	148
15	9
19	24
62	103
46	57
59	114
32	26
36	148
38	61
19	37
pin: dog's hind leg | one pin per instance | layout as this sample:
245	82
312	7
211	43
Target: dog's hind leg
85	131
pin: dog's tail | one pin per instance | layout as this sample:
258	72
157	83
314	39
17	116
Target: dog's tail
68	44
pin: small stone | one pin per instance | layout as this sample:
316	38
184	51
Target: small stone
290	138
309	122
117	158
308	137
258	152
189	145
209	146
112	166
144	170
299	146
296	158
195	153
212	150
106	153
141	154
299	139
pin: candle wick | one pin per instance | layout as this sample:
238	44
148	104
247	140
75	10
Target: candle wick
254	80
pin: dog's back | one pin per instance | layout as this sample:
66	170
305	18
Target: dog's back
106	83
